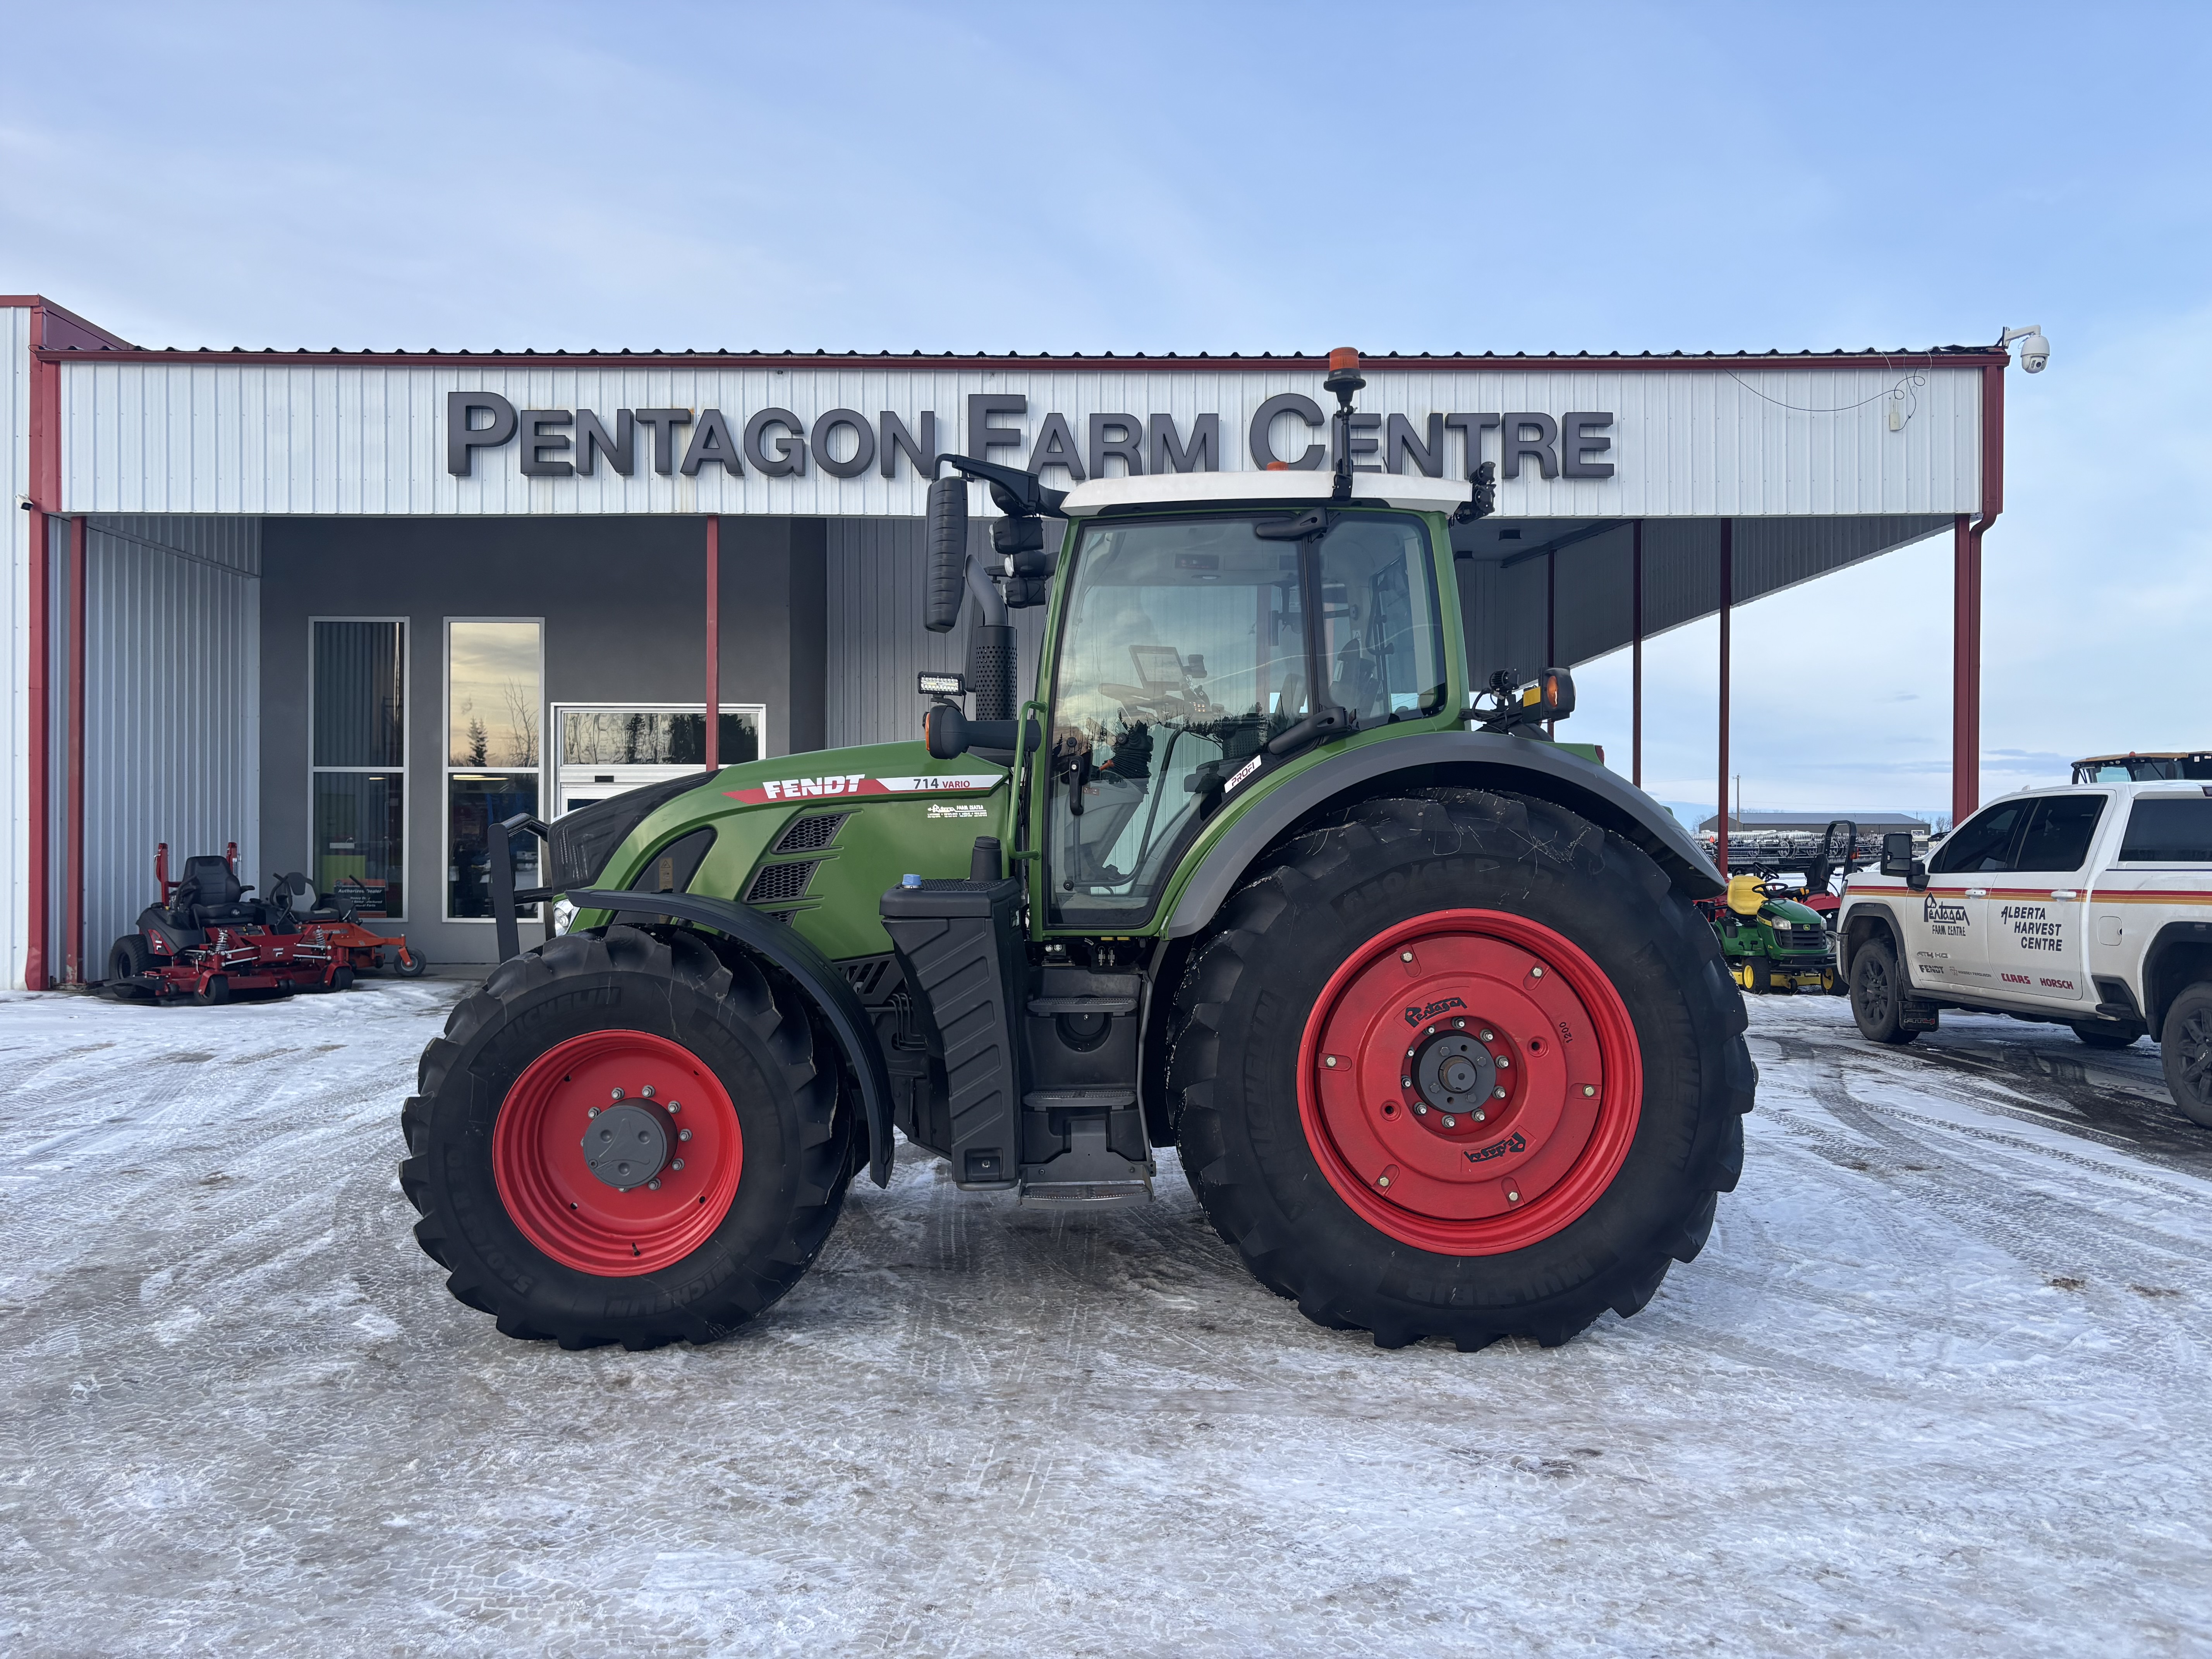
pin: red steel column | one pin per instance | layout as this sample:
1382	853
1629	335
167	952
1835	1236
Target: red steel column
1635	653
1727	597
73	890
713	642
1967	606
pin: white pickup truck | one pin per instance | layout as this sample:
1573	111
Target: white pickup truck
2089	906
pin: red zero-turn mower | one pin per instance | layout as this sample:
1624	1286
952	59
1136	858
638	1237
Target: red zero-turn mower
207	940
333	921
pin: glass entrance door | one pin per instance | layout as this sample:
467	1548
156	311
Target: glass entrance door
602	749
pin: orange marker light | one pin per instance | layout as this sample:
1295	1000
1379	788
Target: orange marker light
1343	357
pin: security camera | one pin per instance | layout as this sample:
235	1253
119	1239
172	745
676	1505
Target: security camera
2034	349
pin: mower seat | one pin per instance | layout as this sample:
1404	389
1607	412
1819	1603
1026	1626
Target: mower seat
209	896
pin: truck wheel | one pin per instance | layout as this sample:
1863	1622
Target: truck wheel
2106	1037
1877	997
1463	1066
2185	1047
624	1138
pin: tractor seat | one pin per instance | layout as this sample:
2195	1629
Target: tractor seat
209	896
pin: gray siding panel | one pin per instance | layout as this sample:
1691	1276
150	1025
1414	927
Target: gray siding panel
173	707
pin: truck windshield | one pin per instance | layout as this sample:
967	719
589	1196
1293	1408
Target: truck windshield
1183	650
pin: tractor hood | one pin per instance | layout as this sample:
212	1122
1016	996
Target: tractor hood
1783	910
886	768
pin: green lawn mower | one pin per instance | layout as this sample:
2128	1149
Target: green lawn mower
1772	940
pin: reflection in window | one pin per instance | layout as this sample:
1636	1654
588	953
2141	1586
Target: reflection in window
650	737
357	717
495	690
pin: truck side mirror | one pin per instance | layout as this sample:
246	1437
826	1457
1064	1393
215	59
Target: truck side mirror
945	587
1897	854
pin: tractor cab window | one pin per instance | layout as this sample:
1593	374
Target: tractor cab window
1184	649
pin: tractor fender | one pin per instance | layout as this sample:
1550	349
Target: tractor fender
1481	760
792	952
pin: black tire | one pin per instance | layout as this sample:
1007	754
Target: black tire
1762	976
2107	1036
2184	1042
799	1136
126	959
1246	997
217	992
414	966
1877	995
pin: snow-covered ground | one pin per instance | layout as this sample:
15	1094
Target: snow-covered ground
1939	1383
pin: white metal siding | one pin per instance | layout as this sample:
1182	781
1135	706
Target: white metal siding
172	701
15	620
232	438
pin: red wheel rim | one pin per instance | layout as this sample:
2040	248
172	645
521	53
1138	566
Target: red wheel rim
1476	1001
566	1210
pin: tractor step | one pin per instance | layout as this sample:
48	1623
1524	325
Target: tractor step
1087	1195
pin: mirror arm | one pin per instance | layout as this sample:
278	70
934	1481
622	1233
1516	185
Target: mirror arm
987	596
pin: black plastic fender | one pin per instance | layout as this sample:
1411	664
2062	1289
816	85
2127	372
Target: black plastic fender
1476	759
817	976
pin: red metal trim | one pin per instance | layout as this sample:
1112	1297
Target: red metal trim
40	716
73	885
39	302
1728	599
1636	651
1960	357
713	642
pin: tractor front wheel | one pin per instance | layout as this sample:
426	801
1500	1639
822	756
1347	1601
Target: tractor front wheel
1461	1066
625	1137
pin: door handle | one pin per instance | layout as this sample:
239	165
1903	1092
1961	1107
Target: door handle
2065	892
1978	892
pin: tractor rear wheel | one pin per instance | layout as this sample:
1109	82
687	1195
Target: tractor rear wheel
625	1137
1460	1065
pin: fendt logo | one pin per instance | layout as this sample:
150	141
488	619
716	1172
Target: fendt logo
1933	909
1415	1015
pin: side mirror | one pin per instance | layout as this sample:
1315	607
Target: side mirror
1897	854
945	587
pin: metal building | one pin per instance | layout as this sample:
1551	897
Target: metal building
347	608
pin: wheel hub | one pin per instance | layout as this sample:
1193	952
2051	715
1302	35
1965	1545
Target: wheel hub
628	1145
1469	1082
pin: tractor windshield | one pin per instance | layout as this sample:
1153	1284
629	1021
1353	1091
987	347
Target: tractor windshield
1183	648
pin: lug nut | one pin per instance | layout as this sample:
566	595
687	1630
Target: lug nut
1405	956
677	1164
1478	1114
1500	1093
1503	1062
1589	1088
1419	1111
674	1107
1536	972
1451	1122
1330	1062
618	1094
1488	1037
593	1112
684	1134
1431	1031
1405	1083
647	1092
1381	1180
1511	1196
1459	1025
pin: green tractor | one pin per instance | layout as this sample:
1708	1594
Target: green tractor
1428	1012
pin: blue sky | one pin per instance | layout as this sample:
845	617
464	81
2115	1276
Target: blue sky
1230	178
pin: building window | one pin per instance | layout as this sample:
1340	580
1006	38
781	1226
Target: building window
357	721
495	690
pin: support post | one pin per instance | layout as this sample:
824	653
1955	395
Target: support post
1635	653
73	950
713	642
1728	599
1967	606
1551	621
40	717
